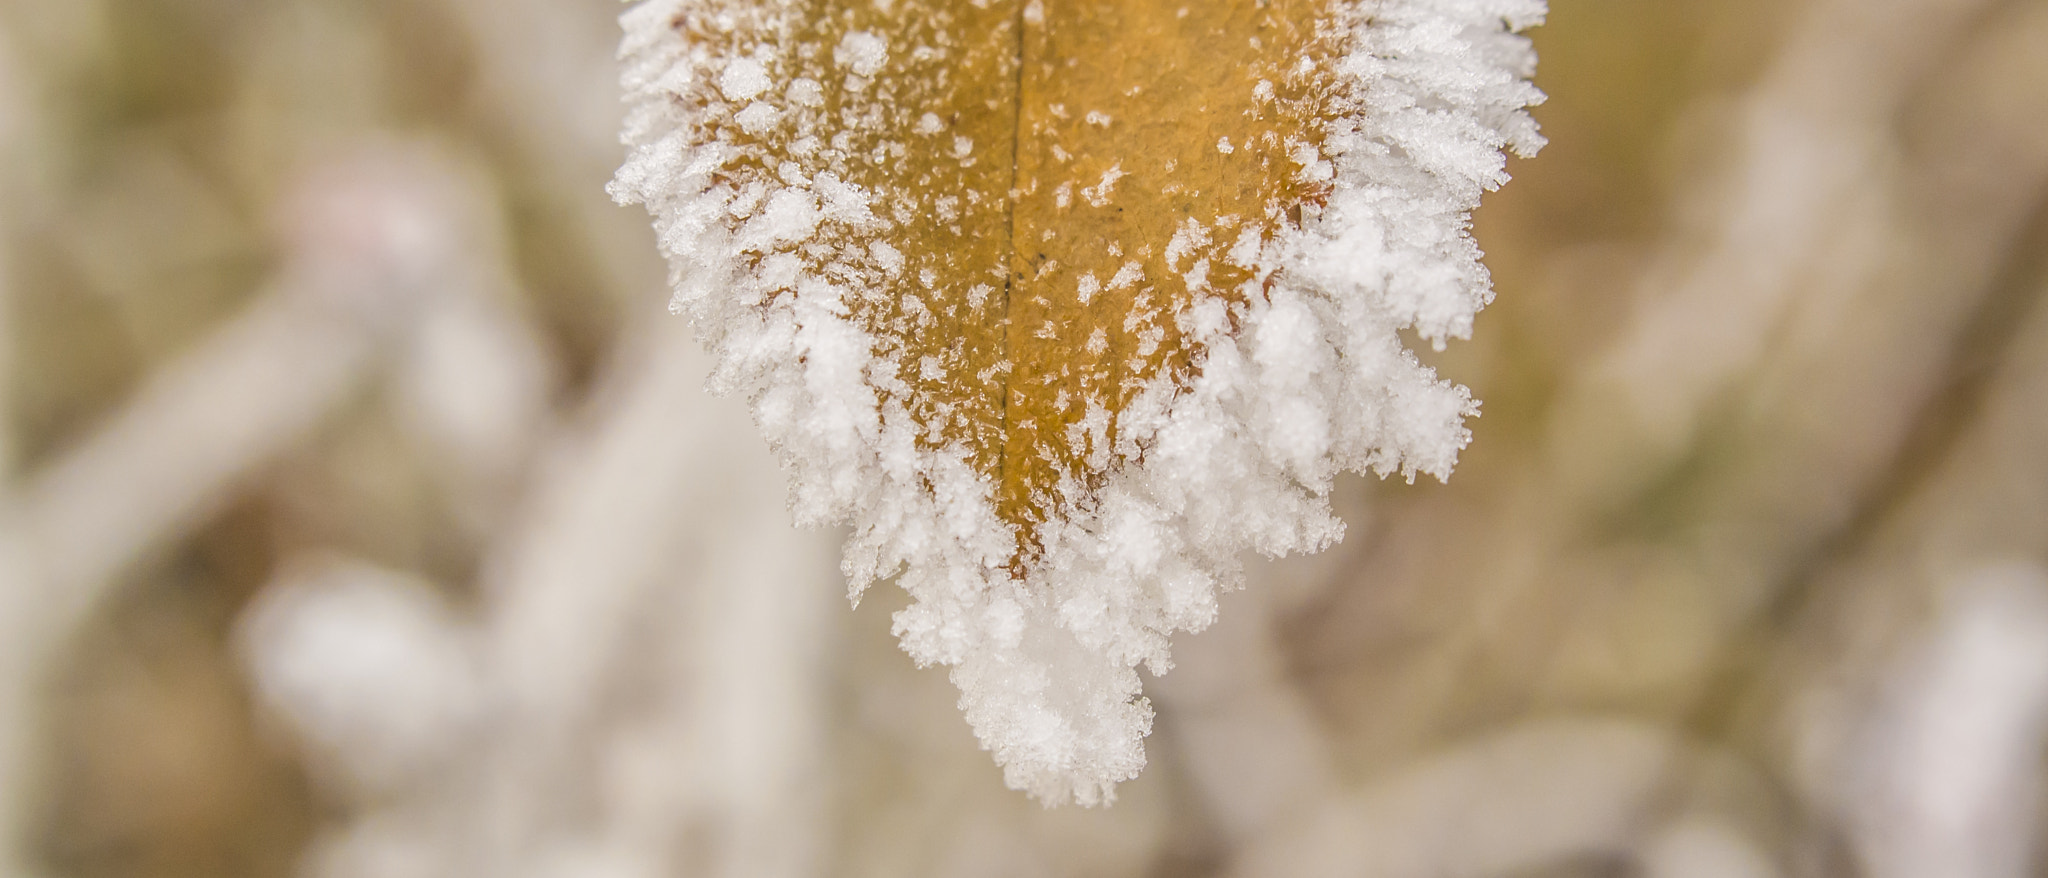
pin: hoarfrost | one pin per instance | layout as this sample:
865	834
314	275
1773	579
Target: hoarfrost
743	79
795	262
862	52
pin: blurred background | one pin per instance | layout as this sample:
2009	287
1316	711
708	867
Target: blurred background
361	515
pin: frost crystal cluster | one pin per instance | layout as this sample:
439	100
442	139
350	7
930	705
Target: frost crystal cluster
1066	304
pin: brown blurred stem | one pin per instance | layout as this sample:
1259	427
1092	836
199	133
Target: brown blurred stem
1975	358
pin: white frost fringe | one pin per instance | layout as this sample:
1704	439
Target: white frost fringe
1315	382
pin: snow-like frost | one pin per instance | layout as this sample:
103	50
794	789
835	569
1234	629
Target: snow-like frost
862	52
1307	379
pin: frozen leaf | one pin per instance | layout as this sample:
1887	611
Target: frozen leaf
1064	305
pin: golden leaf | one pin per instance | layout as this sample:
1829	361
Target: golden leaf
1066	305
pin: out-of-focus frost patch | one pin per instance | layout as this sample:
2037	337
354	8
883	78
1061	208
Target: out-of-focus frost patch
1944	778
369	668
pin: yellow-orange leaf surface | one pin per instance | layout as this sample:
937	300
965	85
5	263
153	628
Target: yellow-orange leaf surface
1036	164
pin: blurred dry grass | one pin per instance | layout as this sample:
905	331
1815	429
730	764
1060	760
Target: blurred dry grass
1765	388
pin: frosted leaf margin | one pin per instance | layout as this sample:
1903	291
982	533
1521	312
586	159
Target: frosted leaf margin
1315	381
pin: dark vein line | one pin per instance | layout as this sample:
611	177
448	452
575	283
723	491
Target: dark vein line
1010	264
